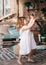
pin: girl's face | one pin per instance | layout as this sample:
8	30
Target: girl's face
25	22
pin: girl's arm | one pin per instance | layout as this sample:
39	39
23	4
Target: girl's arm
29	25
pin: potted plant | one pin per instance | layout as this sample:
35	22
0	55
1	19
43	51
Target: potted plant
42	30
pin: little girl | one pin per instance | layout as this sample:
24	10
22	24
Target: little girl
27	42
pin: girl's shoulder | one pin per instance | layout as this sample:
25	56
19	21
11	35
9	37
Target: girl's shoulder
23	27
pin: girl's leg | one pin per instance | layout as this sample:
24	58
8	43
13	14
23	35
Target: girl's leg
30	55
20	60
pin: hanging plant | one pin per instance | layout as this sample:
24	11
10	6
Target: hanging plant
28	4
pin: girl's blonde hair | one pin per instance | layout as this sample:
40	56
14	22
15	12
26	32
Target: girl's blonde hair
20	23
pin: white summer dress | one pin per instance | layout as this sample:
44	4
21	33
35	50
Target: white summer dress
27	42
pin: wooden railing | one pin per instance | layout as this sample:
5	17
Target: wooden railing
6	16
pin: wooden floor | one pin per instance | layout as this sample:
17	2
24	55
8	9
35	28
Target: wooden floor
40	57
13	62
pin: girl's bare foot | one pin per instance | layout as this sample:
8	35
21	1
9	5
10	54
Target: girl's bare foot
19	62
30	60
